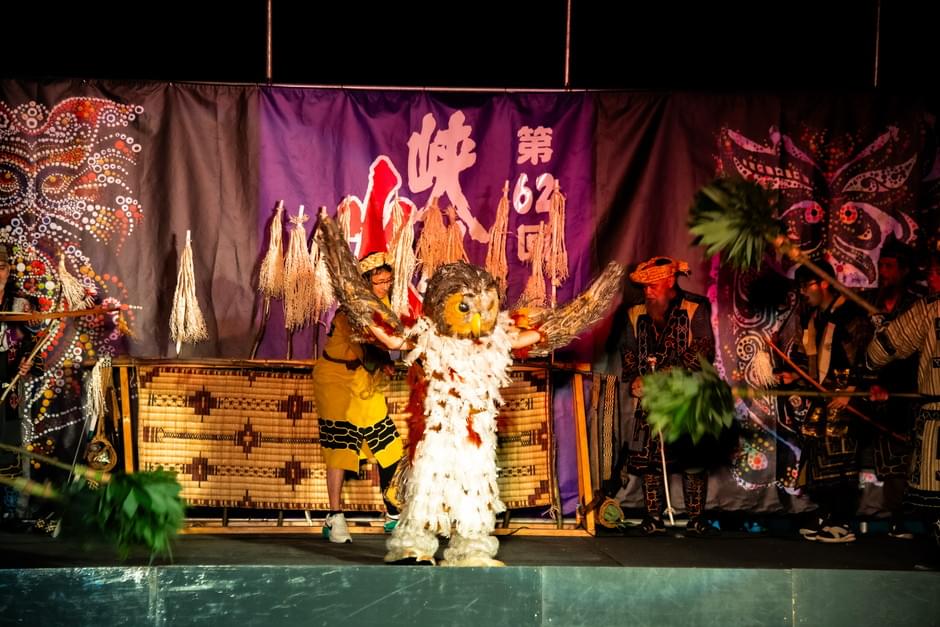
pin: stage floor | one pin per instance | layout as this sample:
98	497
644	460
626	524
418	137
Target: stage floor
727	550
300	578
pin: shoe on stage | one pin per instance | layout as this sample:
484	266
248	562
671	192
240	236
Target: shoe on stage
336	530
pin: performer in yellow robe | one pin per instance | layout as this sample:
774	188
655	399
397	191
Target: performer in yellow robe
353	415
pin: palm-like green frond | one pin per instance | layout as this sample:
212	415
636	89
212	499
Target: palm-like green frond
679	402
138	509
734	217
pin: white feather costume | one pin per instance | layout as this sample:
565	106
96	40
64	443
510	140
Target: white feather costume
464	343
452	489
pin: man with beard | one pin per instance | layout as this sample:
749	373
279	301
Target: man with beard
671	328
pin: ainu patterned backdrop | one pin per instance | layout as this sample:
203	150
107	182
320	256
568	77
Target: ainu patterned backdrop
112	175
67	189
247	437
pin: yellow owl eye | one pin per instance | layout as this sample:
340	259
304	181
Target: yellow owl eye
463	307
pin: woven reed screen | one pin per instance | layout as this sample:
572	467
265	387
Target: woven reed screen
246	436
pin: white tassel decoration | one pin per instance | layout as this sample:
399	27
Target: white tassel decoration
323	296
186	321
404	263
299	294
271	274
96	389
74	293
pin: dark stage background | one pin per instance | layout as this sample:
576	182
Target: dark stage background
676	96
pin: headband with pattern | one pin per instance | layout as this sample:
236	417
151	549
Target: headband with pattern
373	261
659	268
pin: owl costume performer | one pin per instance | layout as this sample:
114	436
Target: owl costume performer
460	354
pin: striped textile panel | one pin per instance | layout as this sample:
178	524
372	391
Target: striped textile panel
247	437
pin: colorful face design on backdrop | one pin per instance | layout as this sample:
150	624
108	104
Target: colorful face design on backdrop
66	188
841	196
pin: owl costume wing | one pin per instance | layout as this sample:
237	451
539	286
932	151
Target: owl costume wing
352	290
561	325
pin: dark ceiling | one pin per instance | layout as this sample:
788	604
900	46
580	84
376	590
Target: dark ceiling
732	45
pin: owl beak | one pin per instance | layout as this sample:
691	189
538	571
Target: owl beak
475	325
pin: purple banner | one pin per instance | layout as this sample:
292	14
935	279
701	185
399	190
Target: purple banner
320	146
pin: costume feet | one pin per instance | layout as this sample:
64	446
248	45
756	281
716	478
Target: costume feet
474	561
408	558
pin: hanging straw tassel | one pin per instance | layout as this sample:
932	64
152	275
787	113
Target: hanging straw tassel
496	250
299	293
534	293
74	293
342	217
398	215
322	287
186	321
455	250
557	256
433	240
271	275
404	263
96	389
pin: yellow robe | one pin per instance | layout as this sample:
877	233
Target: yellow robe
351	397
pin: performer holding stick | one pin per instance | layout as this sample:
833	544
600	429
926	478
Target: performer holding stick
671	328
835	332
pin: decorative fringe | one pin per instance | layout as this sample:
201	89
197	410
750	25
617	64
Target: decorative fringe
186	321
454	250
496	250
271	275
404	262
323	297
99	452
432	243
534	293
74	293
299	277
557	249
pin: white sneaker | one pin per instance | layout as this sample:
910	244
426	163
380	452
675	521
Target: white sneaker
899	532
336	530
